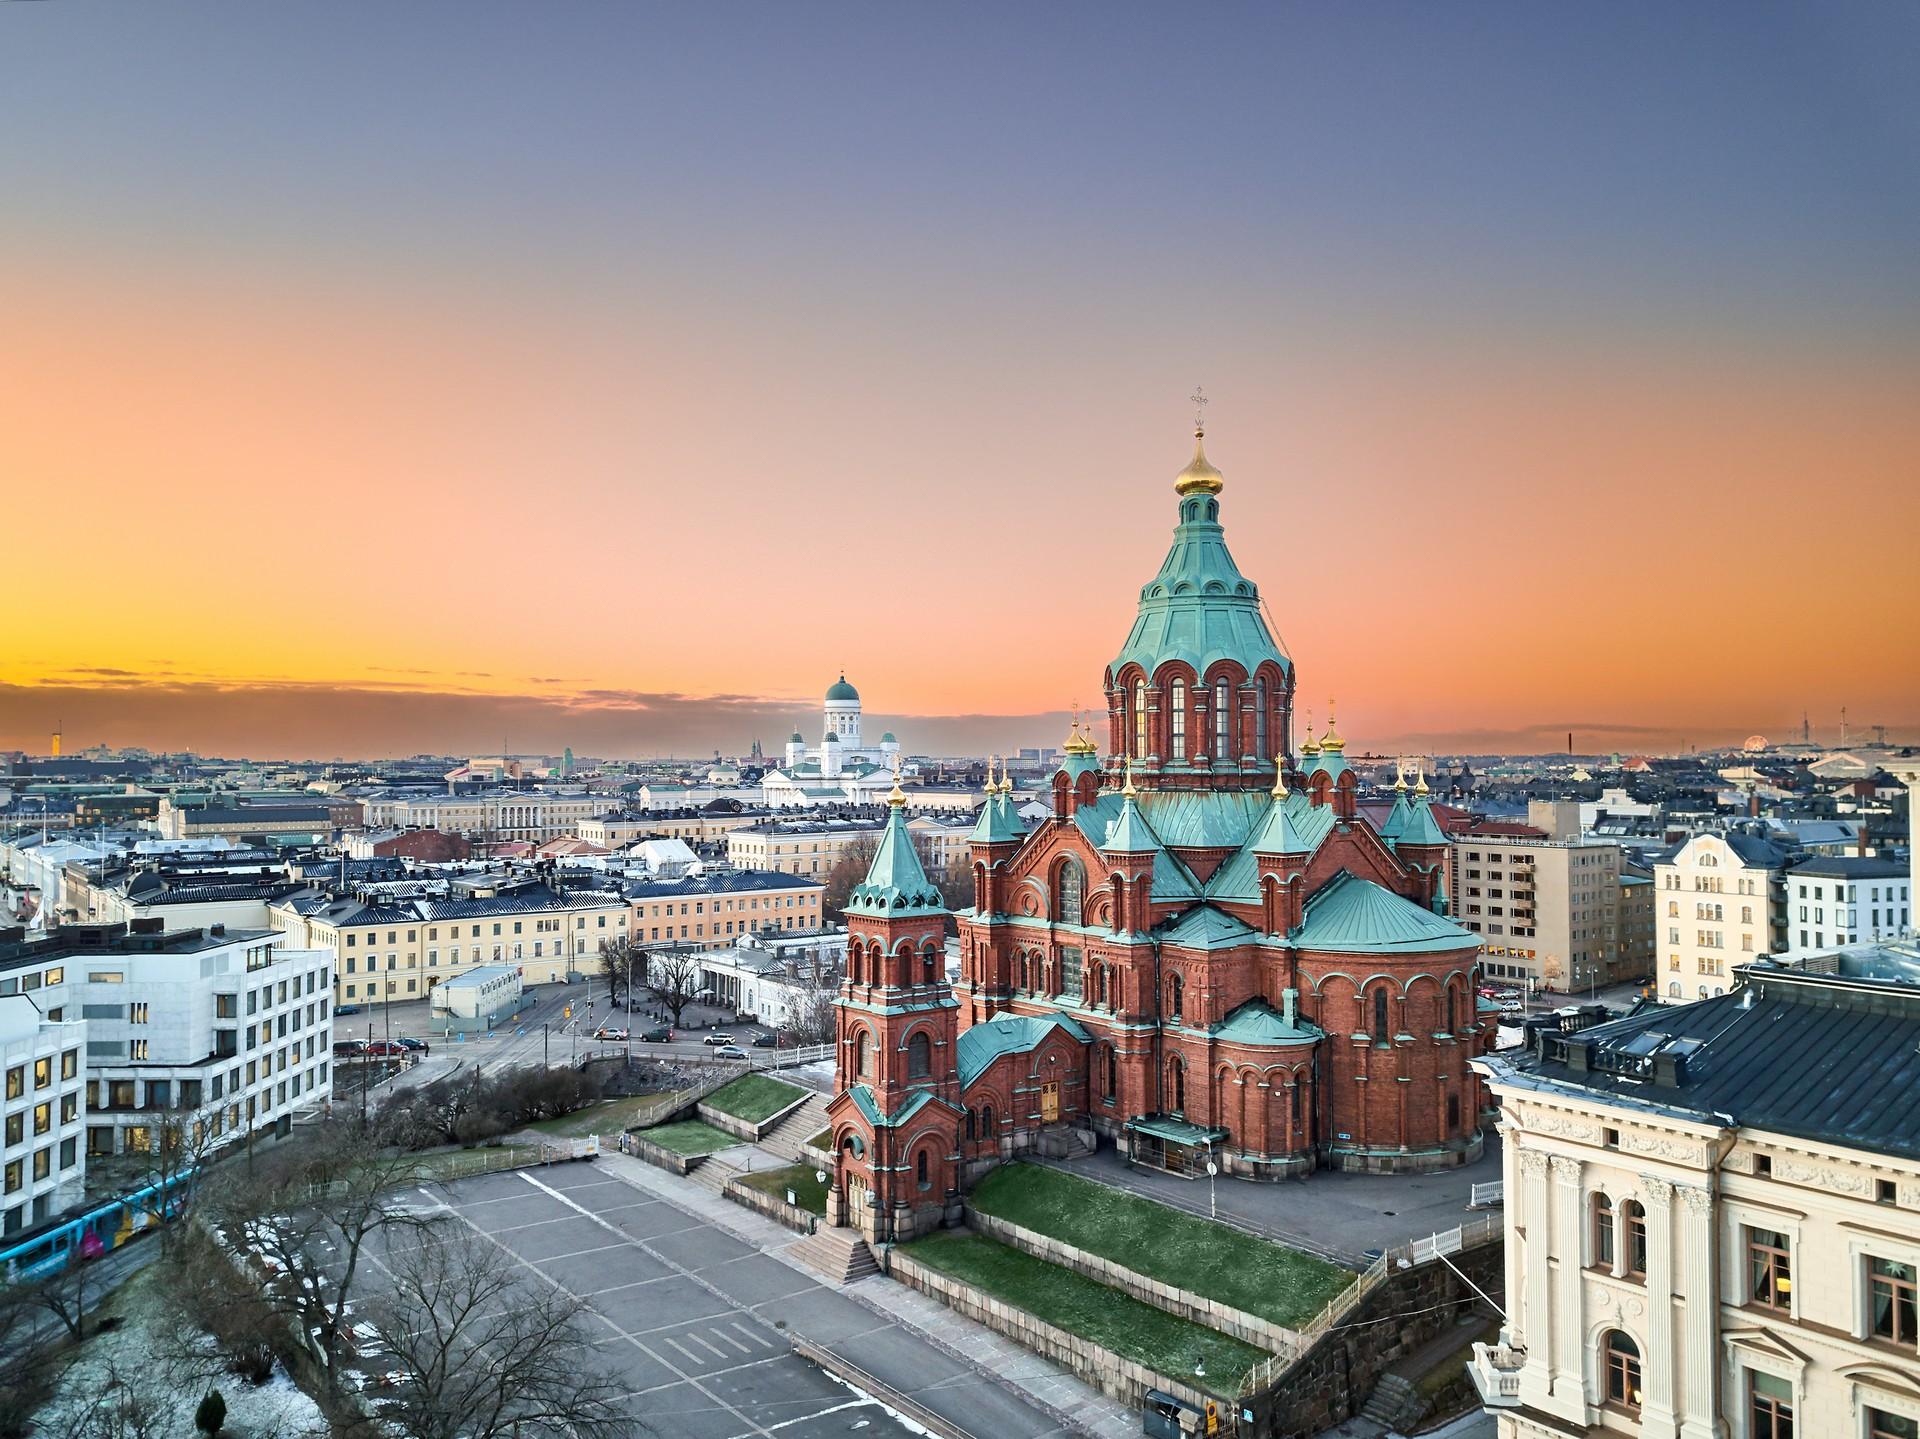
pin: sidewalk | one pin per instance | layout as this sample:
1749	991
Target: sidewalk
1078	1407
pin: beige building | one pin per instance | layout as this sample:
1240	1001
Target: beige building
1672	1270
399	950
1553	912
510	814
812	847
1720	901
713	911
617	831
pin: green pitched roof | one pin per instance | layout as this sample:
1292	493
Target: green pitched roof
1276	834
1422	827
1350	913
981	1044
1129	834
1396	822
1257	1022
1199	607
869	1105
1204	927
895	883
997	822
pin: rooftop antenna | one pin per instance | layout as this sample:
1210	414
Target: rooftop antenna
1843	726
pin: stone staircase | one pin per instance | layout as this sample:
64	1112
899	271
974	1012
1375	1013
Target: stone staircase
713	1173
1394	1402
786	1137
840	1256
1064	1142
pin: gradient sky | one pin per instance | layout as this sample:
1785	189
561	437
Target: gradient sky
381	378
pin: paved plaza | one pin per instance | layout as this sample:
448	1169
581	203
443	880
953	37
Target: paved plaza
698	1323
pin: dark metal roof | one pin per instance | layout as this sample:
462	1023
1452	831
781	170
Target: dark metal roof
733	882
1821	1057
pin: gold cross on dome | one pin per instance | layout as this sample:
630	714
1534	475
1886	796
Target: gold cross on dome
1199	399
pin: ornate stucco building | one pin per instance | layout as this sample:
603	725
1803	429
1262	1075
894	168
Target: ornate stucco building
1202	953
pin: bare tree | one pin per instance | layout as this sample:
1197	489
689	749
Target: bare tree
67	1294
173	1167
486	1349
674	976
121	1406
618	960
856	858
305	1213
811	1018
27	1364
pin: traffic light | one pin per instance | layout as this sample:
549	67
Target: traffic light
1213	1417
567	1013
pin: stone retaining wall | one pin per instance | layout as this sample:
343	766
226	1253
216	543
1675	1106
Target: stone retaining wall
774	1207
1248	1328
746	1129
660	1157
1118	1378
1331	1381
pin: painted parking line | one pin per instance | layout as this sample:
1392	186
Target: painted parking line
708	1344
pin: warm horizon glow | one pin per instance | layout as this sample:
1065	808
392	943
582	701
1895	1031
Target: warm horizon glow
353	406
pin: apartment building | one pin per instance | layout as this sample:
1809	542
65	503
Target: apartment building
394	950
1720	901
712	911
693	826
42	1166
532	815
1712	1219
813	847
1556	914
230	1029
1832	902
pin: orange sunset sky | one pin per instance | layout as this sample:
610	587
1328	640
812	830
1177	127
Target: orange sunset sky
616	381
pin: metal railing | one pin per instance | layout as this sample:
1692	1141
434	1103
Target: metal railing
1488	1196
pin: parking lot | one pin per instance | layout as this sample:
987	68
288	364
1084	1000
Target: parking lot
697	1326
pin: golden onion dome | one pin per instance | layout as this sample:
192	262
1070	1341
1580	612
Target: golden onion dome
1200	477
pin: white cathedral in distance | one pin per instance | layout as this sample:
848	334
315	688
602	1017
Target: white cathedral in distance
841	766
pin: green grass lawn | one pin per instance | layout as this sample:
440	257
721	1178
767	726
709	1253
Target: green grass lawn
1255	1275
754	1097
809	1193
1069	1301
689	1136
822	1140
609	1116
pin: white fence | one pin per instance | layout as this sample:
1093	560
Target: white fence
1488	1196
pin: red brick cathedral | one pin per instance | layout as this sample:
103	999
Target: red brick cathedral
1203	954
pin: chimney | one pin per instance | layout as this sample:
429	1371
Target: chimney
1753	804
1290	1005
1860	841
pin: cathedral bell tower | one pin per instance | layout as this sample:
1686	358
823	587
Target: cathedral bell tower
896	1063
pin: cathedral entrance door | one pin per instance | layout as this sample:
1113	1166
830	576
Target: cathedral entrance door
1050	1103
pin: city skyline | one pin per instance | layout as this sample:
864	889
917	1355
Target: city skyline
421	390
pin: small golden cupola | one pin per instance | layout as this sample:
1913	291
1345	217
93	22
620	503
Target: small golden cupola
1199	477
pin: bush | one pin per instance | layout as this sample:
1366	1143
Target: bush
211	1414
474	1109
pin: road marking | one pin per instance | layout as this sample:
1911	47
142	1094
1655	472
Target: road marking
718	1352
722	1334
690	1356
747	1333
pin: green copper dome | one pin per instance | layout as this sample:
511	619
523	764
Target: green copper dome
1200	608
843	691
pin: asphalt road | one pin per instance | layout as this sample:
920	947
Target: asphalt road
698	1325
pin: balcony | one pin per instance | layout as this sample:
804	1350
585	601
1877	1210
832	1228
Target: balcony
1495	1371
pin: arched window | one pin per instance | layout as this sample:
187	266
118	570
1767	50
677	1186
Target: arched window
1633	1230
1100	991
1450	1010
1176	995
1673	990
1113	1073
1222	721
1073	886
929	965
919	1057
986	1122
1177	1082
1140	719
1381	1034
1178	719
973	1125
1260	719
1603	1237
1623	1370
861	1059
920	1170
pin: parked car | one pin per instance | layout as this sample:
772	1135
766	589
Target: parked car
766	1041
713	1039
340	1009
659	1035
385	1047
731	1051
418	1046
1512	1006
349	1046
609	1032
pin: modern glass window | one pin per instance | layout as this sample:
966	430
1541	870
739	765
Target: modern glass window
1892	1300
1623	1371
1770	1406
1178	719
1769	1269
